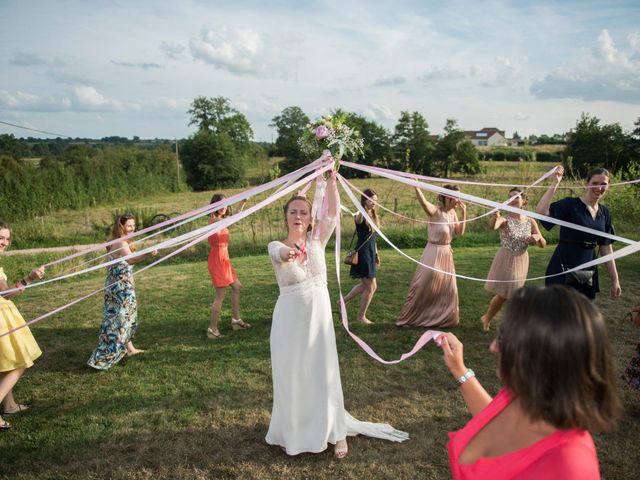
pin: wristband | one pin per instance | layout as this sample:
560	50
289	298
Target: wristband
23	282
470	374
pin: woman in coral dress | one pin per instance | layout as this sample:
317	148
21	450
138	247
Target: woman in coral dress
555	362
511	264
432	300
308	405
19	349
222	274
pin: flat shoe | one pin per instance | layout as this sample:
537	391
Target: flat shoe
5	425
19	408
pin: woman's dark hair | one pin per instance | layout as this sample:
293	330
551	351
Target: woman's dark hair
554	356
597	171
523	196
216	198
286	209
368	194
442	197
5	226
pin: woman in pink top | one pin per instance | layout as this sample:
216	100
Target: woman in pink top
554	360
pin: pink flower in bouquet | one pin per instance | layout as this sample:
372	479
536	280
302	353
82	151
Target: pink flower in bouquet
322	132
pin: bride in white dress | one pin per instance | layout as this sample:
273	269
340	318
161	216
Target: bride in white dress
308	407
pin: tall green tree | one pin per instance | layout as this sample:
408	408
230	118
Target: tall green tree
413	147
454	152
217	153
592	144
216	115
211	160
377	144
290	124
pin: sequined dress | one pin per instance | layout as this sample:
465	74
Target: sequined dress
511	263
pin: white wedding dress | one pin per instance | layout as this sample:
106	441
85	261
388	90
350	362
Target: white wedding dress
308	406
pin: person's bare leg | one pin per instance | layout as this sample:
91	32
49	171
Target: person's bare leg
7	382
131	350
494	307
216	306
235	299
355	291
369	287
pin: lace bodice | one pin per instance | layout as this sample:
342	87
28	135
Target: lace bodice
292	273
514	235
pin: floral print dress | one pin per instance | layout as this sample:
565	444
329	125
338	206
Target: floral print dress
120	317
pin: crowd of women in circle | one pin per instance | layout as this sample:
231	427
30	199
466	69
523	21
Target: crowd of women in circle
575	370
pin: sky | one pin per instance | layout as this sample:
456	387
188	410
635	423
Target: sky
103	68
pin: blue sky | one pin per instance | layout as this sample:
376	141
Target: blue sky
94	69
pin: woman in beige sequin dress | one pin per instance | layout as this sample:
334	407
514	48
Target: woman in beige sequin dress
511	264
432	300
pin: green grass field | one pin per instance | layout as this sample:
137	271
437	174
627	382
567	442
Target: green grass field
198	409
194	408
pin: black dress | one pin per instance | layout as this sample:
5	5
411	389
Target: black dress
366	267
575	247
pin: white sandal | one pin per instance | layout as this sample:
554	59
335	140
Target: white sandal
239	324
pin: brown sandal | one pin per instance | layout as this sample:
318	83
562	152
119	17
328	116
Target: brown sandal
18	408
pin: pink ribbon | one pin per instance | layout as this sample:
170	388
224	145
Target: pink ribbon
213	228
425	338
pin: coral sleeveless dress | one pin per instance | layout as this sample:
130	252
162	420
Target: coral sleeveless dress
220	269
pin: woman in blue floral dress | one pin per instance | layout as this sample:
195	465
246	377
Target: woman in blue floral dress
120	320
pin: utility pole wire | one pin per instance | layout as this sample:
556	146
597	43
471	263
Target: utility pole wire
35	130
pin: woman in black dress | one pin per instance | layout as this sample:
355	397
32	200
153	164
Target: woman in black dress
576	247
368	259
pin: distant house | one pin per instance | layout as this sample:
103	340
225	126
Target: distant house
487	137
515	142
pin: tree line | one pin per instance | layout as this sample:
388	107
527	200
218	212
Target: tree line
80	175
73	173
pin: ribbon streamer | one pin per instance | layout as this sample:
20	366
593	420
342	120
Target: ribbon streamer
208	231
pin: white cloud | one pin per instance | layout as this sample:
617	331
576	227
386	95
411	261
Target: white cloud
491	73
21	59
445	71
602	73
172	50
82	98
243	51
522	116
142	65
378	112
389	81
32	103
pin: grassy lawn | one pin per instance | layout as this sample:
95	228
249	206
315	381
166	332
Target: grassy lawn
193	408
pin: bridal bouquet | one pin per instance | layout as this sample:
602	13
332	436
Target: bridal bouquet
333	134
